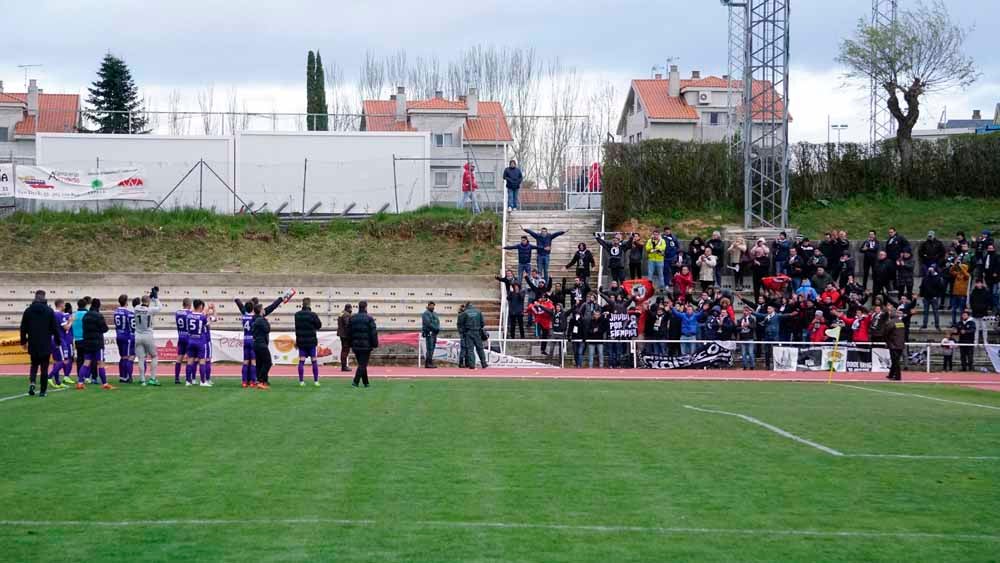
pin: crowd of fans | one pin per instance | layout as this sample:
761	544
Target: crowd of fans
783	290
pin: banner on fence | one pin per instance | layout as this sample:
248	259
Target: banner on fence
623	326
447	350
36	182
818	358
993	351
11	352
711	355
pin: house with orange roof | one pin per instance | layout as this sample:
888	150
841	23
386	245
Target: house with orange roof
22	115
463	131
688	109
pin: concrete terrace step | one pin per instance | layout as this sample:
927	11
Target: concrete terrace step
580	226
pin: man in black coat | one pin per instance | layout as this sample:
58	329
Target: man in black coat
306	325
38	328
364	339
94	329
261	331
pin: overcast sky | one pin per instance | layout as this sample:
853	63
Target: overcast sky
259	47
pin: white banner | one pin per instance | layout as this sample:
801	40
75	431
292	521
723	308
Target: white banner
36	182
993	351
447	351
227	346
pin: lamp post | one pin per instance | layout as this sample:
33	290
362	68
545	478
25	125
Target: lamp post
838	129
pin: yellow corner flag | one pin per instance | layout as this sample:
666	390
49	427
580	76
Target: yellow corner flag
834	333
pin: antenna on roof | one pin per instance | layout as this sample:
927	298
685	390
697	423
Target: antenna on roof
26	68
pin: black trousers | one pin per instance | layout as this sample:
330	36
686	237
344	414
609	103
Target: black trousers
345	352
965	357
263	361
867	267
42	362
948	365
634	270
515	321
895	364
79	356
618	274
362	357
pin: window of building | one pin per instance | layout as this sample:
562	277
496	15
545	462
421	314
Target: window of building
4	134
713	118
487	180
443	140
440	179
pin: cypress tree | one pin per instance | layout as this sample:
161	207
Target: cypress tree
310	91
114	99
319	83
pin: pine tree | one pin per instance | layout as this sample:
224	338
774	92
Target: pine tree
114	99
310	91
319	83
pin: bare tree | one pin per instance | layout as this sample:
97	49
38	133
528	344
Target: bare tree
232	117
206	100
602	111
340	104
523	104
244	121
396	72
561	128
425	77
921	53
371	77
150	116
177	124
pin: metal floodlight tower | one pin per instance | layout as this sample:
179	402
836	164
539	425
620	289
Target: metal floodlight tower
765	114
882	125
736	69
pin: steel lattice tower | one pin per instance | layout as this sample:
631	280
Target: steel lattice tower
736	70
882	125
765	114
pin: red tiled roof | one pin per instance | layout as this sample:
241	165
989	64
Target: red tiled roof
660	105
57	113
491	125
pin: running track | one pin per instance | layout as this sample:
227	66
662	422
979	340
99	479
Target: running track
989	381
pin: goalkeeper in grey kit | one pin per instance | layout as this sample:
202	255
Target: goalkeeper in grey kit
145	342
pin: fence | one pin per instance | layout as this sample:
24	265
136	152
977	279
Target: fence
727	354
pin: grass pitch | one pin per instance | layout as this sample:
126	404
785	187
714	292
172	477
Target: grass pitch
499	470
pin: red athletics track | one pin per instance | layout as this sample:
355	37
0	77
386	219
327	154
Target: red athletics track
989	381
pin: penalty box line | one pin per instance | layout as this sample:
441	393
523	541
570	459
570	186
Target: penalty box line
595	528
928	397
831	451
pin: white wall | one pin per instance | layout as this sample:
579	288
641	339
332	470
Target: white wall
342	168
164	160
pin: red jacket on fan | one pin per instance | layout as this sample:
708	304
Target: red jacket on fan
469	178
860	325
541	311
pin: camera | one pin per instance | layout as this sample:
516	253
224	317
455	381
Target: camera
155	292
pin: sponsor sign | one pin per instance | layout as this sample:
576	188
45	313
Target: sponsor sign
818	358
711	355
37	182
10	349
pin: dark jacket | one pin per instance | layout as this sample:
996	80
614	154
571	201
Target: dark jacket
342	325
616	254
894	334
512	177
473	321
544	241
523	252
306	325
870	250
363	334
94	327
515	302
980	301
634	250
931	252
895	245
583	260
38	328
932	286
261	330
430	324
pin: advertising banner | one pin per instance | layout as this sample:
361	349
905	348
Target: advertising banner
10	349
36	182
848	358
712	355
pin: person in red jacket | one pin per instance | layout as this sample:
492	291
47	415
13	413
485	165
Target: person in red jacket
469	187
683	282
542	311
817	328
860	325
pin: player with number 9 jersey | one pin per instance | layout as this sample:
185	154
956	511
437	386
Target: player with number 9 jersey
180	321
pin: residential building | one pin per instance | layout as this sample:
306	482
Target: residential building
22	115
467	130
690	109
950	127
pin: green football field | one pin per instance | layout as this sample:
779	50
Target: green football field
502	470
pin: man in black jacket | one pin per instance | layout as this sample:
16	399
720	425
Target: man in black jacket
343	333
869	252
261	330
94	328
966	329
896	244
931	253
38	329
364	339
980	302
306	325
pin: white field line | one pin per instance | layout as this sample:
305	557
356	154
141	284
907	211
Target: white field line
596	528
928	397
12	397
834	452
774	429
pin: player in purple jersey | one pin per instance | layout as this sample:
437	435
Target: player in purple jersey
62	345
198	345
125	338
246	323
180	320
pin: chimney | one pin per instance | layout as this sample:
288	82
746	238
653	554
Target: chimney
658	76
438	93
32	97
695	74
472	101
725	77
674	86
401	103
976	114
